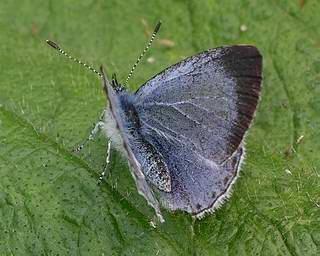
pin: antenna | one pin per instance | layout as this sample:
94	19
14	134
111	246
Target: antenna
143	53
57	47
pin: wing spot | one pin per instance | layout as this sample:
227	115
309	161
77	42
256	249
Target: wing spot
225	181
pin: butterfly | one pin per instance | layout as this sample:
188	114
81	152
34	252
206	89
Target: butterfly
183	130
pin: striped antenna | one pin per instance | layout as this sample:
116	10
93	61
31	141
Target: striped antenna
57	47
143	53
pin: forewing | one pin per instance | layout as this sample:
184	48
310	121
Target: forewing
205	102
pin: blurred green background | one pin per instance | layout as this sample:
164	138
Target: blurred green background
49	201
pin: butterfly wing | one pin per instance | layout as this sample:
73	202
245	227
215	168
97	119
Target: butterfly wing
196	114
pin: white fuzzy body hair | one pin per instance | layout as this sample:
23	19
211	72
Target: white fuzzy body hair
112	132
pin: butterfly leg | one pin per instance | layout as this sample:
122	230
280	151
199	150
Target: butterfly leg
97	127
105	168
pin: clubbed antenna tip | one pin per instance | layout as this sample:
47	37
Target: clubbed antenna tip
157	26
53	44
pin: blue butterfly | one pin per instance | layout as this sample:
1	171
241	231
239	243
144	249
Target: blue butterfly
183	130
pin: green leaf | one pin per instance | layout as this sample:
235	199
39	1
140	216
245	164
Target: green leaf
50	203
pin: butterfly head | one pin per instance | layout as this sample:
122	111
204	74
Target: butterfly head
115	85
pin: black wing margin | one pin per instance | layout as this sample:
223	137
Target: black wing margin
244	64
